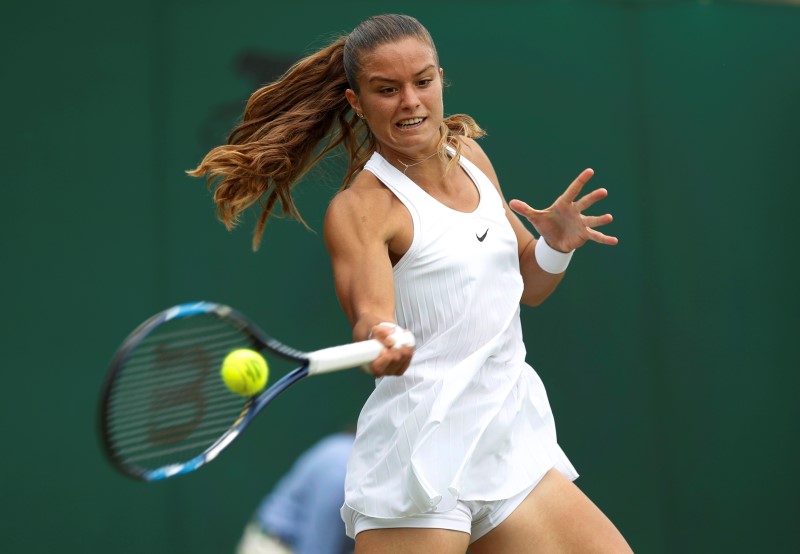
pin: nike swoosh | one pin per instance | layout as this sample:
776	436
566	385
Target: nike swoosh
480	239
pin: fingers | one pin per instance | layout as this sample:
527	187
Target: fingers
600	238
564	223
393	360
597	220
590	199
574	189
569	196
523	209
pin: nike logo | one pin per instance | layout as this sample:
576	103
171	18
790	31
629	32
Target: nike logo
480	239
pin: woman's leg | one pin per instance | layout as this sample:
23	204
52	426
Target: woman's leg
411	541
556	517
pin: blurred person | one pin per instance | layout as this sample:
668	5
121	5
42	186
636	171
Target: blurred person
301	513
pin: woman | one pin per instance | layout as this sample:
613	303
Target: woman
456	447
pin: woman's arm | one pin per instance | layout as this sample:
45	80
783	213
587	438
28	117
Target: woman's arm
562	225
360	224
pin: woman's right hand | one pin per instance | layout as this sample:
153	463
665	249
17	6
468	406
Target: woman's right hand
394	360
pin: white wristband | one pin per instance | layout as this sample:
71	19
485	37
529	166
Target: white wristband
552	261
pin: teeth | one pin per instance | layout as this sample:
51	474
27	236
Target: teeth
407	122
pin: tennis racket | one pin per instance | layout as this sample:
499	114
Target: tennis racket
164	409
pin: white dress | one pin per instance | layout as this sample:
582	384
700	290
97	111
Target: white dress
470	418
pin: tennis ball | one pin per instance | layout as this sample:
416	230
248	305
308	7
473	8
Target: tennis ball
245	371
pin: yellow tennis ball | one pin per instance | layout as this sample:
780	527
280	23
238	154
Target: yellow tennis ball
245	371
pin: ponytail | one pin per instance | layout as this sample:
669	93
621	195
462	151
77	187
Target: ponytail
279	137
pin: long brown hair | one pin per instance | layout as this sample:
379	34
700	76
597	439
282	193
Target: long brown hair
288	126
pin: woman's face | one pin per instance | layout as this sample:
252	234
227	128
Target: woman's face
401	97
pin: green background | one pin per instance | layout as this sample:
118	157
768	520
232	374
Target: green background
670	360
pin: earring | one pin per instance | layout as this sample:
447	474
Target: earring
360	115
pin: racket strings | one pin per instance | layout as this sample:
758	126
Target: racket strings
168	403
134	419
137	449
138	376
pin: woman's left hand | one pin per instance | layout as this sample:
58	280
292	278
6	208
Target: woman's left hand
563	225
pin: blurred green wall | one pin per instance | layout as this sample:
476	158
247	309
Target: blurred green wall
670	360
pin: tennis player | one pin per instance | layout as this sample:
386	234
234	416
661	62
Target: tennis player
456	447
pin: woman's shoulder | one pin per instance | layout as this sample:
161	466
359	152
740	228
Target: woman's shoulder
365	194
472	151
470	145
363	213
365	180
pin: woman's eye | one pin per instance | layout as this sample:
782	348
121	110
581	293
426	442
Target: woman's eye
425	82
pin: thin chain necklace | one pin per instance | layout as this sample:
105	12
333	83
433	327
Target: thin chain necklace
407	166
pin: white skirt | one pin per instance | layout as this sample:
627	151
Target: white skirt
480	431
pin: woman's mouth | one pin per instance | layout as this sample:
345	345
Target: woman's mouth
410	123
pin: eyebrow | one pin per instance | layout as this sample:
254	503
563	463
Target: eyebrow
389	80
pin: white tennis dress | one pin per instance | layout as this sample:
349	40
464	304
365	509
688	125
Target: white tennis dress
469	419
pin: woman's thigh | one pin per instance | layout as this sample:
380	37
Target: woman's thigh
411	541
555	517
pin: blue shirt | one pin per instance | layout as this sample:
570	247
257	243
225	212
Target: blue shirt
303	508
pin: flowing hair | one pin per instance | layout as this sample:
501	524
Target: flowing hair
288	126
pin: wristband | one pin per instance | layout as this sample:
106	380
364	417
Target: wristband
550	260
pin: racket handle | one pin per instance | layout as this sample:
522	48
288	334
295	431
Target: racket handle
352	355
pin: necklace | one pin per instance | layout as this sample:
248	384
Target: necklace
406	166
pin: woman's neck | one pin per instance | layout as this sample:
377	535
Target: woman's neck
427	164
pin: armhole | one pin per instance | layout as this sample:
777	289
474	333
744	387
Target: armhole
486	188
415	222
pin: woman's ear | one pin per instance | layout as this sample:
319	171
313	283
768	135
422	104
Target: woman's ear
352	99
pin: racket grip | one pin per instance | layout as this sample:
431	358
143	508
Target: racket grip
352	355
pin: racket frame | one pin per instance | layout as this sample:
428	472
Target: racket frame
311	363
